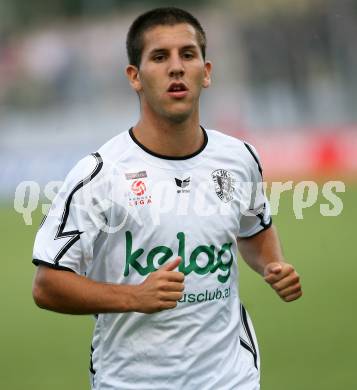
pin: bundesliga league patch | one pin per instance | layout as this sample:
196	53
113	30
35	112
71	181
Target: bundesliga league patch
138	187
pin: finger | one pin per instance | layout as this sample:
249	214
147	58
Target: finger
166	305
272	268
293	297
172	296
290	290
286	282
174	286
178	277
172	264
273	278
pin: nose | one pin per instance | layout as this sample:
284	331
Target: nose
176	68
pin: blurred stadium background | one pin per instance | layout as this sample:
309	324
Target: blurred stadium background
285	79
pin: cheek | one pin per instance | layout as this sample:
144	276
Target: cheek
198	82
199	76
152	86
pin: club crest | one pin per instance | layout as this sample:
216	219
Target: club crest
224	184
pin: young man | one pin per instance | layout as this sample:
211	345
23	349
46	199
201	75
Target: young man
145	233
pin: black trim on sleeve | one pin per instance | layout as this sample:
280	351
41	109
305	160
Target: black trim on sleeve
255	158
74	234
38	262
43	221
143	147
91	368
262	223
249	334
266	226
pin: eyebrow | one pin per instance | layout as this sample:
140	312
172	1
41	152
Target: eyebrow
162	50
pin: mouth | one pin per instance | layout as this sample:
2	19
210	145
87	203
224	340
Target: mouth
177	90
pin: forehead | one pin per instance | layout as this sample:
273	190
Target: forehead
168	37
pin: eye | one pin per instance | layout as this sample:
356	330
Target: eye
158	57
187	55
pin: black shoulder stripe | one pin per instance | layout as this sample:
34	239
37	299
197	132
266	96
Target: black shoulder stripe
42	222
74	234
255	158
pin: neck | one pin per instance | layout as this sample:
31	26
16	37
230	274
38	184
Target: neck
168	138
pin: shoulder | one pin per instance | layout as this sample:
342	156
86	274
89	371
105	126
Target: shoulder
86	169
116	148
101	163
234	147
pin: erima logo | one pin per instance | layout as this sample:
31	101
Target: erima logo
182	184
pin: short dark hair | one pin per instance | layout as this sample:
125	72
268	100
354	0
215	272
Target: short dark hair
167	16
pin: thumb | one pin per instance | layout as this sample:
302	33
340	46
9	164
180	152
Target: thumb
172	264
272	268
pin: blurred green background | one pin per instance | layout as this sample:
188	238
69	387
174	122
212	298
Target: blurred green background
308	344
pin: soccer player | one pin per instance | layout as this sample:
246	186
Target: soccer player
144	233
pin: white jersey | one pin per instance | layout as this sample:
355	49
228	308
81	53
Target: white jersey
122	213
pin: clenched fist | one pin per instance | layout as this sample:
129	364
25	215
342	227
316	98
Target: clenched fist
161	289
284	280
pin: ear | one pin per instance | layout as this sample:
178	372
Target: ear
132	72
207	75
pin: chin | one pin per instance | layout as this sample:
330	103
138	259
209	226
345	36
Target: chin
178	117
179	114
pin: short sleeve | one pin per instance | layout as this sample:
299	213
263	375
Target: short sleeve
66	236
256	217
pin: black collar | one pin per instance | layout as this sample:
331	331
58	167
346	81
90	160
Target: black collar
170	157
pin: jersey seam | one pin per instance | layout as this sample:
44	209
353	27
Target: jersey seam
101	317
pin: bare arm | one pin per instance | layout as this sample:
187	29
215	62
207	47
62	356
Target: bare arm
260	250
67	292
263	253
